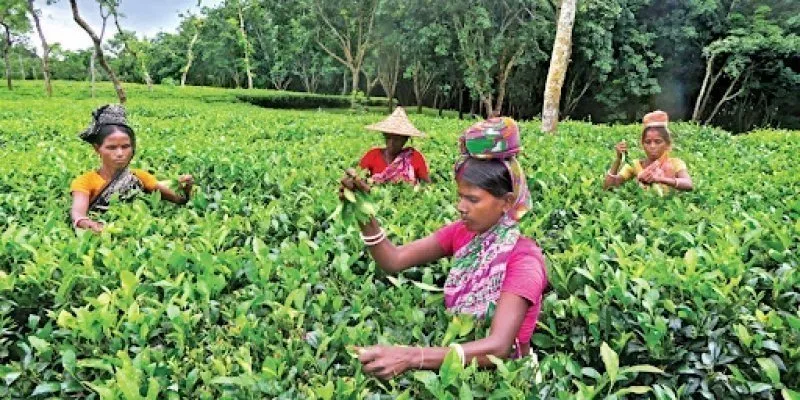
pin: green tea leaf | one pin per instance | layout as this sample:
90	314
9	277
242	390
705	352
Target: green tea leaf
610	360
770	369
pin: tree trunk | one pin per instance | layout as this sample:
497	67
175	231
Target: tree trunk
133	52
92	70
422	84
728	96
99	50
6	50
147	78
388	76
562	48
461	103
354	72
504	74
705	90
22	73
344	82
45	50
486	105
246	48
189	57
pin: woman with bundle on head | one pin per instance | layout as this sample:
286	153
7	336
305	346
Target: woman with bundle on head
115	144
658	170
494	265
396	163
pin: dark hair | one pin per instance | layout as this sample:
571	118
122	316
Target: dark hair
105	130
489	175
662	131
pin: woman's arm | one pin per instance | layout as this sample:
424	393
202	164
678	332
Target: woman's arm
80	206
388	361
393	259
681	181
612	179
390	258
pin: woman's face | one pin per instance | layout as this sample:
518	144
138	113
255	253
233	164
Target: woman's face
395	143
654	145
478	208
116	150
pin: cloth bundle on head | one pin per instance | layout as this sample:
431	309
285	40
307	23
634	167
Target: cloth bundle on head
498	139
110	114
657	119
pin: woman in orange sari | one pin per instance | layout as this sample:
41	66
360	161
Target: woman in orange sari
115	143
658	170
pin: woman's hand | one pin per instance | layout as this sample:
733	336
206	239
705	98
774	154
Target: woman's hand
185	183
93	226
353	183
621	149
646	177
386	362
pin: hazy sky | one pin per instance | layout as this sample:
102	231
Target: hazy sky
146	17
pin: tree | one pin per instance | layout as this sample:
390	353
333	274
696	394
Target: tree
492	39
247	49
311	63
350	23
98	48
12	20
219	58
562	47
755	46
45	49
133	46
196	24
426	42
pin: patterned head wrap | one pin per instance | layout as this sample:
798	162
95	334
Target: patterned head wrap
110	114
498	139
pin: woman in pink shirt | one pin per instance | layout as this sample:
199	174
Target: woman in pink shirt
493	262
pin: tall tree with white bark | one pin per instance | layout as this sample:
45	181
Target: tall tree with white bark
562	48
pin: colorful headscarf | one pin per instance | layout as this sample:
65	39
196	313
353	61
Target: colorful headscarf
498	139
399	170
475	280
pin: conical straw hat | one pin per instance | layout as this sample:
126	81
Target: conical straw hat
397	124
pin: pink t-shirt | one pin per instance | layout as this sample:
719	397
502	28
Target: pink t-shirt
526	275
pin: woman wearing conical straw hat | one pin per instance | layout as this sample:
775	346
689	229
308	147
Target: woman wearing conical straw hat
396	163
657	170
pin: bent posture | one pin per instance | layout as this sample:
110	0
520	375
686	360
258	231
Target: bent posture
493	263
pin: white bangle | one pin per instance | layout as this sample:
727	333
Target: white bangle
381	237
374	239
460	351
78	221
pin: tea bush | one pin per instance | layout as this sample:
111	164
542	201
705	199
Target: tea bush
250	291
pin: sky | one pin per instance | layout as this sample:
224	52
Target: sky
146	17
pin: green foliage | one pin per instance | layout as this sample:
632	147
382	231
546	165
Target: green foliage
302	101
248	292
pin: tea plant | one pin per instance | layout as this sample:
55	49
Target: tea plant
252	291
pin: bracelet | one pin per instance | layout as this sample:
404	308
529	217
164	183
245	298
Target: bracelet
79	220
373	237
376	241
460	351
422	358
373	240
